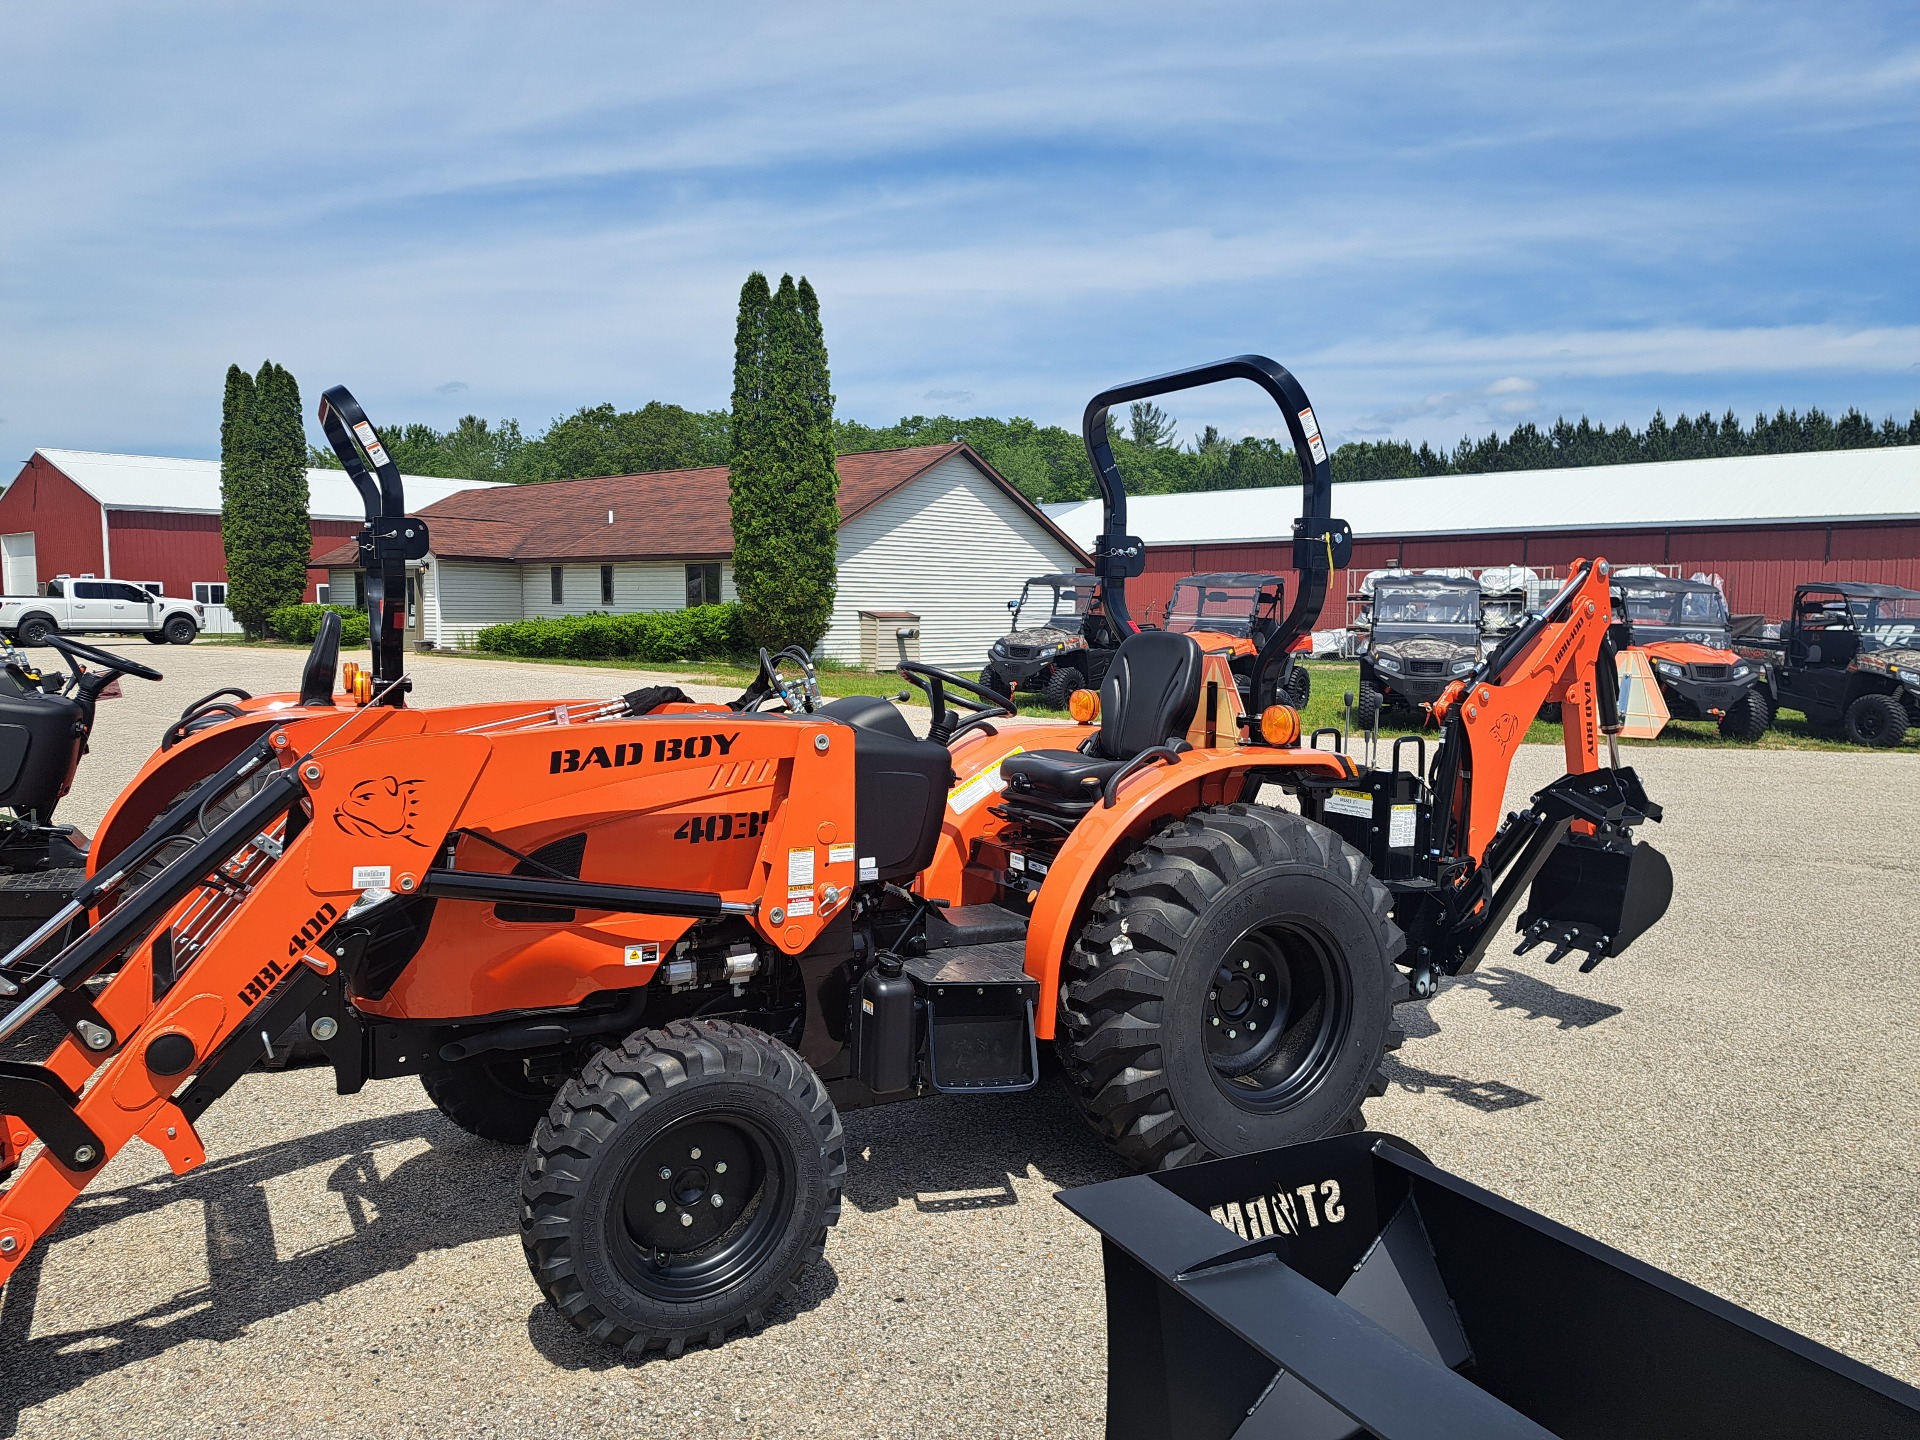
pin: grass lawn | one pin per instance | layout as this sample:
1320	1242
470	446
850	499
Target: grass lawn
1332	679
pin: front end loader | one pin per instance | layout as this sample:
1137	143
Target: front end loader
661	944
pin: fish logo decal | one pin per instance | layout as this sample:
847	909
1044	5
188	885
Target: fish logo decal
383	809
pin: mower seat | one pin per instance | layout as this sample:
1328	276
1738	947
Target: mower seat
900	785
1148	698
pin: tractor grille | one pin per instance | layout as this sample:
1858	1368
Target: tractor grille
1712	672
1022	652
1426	667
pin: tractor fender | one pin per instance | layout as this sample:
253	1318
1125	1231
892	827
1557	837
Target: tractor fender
1104	838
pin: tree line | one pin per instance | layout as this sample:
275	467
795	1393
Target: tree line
1049	463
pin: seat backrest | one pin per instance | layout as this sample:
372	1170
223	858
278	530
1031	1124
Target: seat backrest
1149	694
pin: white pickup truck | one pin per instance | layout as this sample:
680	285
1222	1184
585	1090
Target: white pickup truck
92	606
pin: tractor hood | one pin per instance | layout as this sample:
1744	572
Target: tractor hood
1903	665
1687	652
1408	644
1032	642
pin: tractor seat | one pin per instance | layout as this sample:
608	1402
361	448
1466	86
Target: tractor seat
1147	699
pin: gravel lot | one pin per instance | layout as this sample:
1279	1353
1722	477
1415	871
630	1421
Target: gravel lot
1733	1101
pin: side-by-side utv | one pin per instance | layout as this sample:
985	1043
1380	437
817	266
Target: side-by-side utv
1848	659
1066	651
1684	630
1234	615
1423	636
661	944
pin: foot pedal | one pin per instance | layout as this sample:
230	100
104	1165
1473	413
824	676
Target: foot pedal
980	1003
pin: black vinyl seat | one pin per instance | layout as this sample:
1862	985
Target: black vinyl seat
1148	698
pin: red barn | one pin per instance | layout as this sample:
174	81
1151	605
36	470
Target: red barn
152	520
1762	523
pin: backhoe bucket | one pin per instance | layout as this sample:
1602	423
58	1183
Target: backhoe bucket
1348	1288
1596	894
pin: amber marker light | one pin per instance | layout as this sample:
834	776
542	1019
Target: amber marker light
1279	725
349	672
362	686
1084	706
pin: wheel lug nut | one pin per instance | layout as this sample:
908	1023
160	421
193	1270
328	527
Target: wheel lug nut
1233	1034
717	1202
720	1168
1253	1024
659	1207
1265	1001
696	1152
665	1173
685	1219
1248	965
1216	1019
1263	979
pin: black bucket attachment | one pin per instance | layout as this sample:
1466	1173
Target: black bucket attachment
1348	1288
1596	893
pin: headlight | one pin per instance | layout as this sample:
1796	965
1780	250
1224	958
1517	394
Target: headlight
999	647
1385	662
1049	652
1738	671
1460	667
1668	668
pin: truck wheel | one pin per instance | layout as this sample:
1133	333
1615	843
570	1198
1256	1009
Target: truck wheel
1749	719
1878	720
489	1096
993	680
180	630
154	637
680	1184
1299	686
1367	714
1061	685
35	629
1232	990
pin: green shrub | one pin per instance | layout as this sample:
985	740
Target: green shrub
300	623
704	632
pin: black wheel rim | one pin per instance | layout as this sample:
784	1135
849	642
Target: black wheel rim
701	1207
1275	1012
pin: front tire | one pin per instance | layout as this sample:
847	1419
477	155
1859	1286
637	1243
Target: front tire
1061	685
1877	720
1372	702
753	1159
1299	686
154	637
1749	719
35	629
992	679
1235	913
180	631
488	1096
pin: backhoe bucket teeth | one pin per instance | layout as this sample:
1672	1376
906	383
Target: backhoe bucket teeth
1597	894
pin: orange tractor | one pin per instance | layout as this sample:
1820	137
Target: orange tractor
661	944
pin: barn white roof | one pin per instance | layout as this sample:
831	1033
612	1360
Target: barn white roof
155	482
1814	488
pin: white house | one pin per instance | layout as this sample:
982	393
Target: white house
932	533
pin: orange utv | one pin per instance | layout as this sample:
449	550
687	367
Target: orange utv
1234	615
1683	628
662	944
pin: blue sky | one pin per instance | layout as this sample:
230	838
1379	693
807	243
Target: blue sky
1442	218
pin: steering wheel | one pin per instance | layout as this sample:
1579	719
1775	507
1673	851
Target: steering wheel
74	650
949	724
800	695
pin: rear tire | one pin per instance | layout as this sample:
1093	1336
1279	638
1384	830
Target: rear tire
1236	912
1299	686
1061	685
1372	702
35	629
1877	720
1749	719
488	1096
154	637
180	630
634	1260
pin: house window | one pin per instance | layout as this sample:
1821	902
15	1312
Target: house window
321	592
556	580
606	584
210	592
703	585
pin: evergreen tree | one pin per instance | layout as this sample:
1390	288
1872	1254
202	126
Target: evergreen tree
784	487
263	495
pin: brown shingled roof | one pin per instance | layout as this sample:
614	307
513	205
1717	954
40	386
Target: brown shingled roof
665	515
